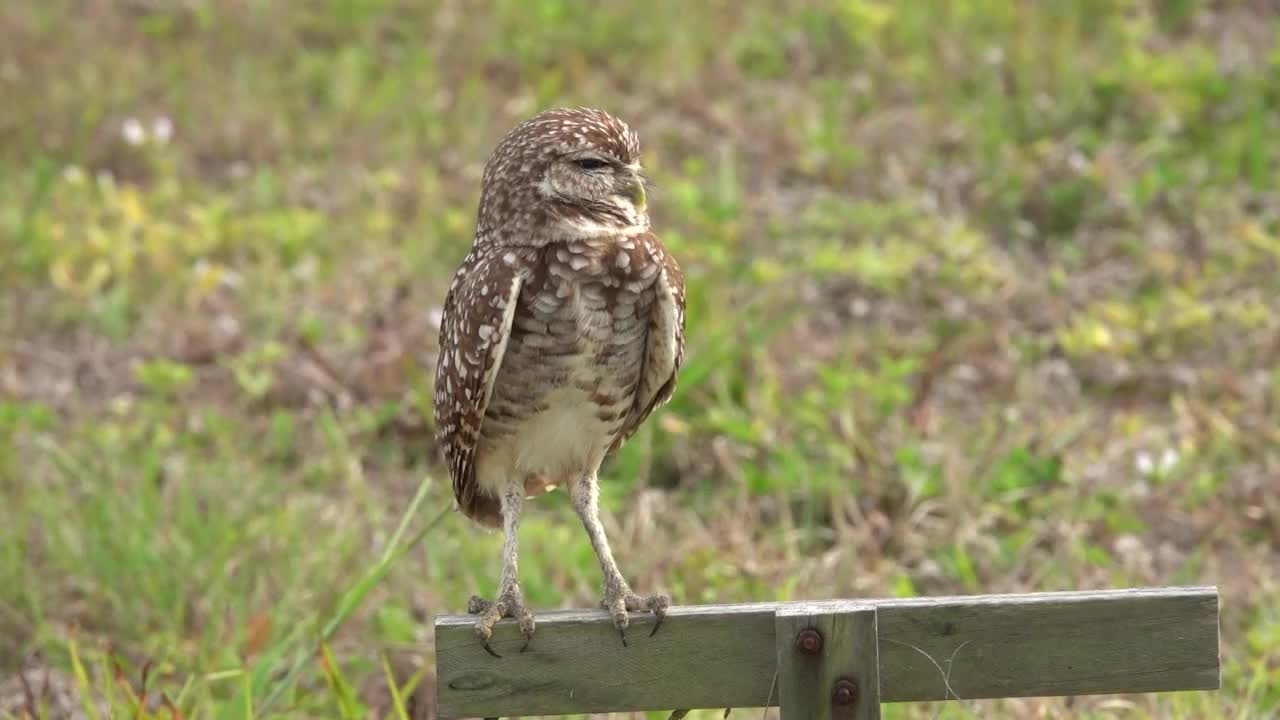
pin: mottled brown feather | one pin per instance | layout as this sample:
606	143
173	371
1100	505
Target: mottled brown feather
661	364
474	329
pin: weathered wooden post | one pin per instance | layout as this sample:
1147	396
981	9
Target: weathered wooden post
828	661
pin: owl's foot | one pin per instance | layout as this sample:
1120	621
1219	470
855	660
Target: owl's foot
620	600
510	603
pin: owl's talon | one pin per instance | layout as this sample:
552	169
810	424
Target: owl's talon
621	601
510	603
657	624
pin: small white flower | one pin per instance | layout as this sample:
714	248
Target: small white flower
133	132
305	269
967	373
1127	545
226	325
1168	459
73	174
162	129
1144	463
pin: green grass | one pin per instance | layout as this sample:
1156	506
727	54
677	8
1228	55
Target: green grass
982	294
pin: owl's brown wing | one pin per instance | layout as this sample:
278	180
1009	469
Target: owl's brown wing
474	329
664	343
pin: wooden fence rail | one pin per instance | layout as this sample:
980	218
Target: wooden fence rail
867	652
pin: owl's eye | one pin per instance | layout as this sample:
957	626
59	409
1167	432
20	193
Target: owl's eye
591	163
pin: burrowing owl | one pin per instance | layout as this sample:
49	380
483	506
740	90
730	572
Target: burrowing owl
563	329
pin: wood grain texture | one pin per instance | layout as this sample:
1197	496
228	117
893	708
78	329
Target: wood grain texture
1071	643
807	680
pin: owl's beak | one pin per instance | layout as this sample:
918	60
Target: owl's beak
632	187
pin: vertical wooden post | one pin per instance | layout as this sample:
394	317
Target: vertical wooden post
828	661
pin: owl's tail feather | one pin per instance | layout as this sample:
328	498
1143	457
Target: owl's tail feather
483	509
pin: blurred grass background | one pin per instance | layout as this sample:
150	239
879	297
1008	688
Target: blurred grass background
984	297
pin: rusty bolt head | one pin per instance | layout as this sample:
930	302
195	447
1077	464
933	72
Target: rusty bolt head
844	692
809	641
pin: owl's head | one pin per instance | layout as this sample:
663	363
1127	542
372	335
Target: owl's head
563	174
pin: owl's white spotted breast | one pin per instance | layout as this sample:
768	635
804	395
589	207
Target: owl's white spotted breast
577	360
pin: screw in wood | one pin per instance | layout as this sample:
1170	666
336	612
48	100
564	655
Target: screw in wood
809	641
844	692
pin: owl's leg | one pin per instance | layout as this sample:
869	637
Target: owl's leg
619	599
510	602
